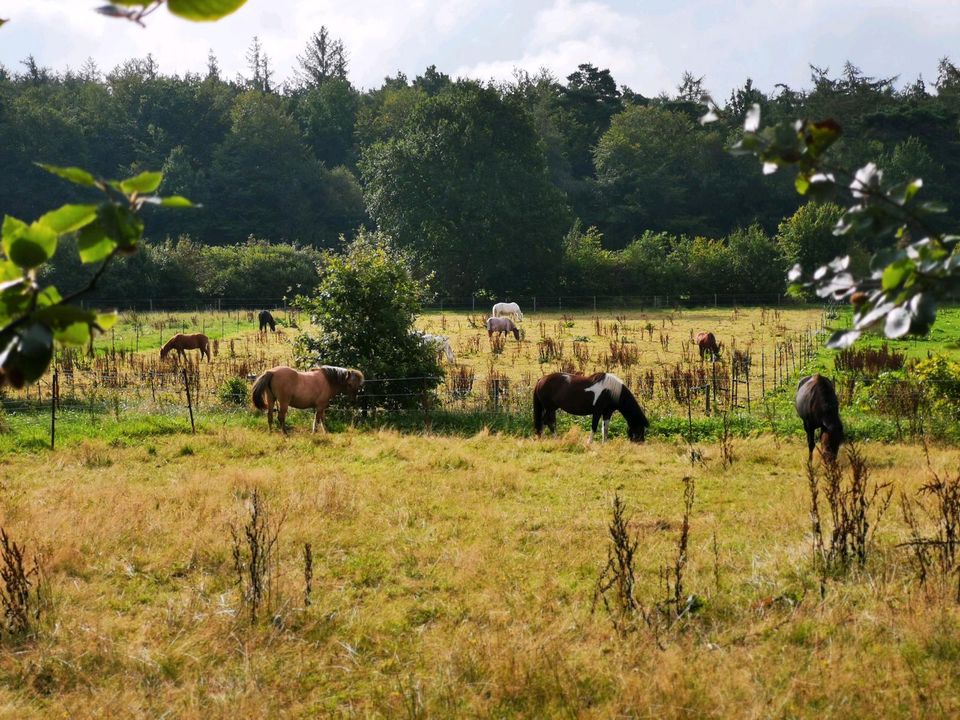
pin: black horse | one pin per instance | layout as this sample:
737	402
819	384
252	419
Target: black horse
267	319
599	395
818	407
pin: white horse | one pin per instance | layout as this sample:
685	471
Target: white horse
502	309
441	343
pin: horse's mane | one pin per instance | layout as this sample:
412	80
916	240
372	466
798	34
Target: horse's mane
630	408
339	375
167	346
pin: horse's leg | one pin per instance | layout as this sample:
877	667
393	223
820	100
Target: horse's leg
606	424
811	443
593	425
551	421
282	417
270	415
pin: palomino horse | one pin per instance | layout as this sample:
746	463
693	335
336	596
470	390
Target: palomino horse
818	407
599	395
266	319
501	326
312	389
707	342
181	343
442	345
512	309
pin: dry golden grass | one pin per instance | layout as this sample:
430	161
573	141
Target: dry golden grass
454	577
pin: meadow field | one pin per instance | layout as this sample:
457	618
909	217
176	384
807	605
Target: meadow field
448	564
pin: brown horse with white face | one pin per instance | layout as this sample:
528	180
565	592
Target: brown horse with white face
818	408
599	395
312	389
181	343
707	342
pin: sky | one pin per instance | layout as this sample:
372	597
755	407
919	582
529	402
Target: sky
647	44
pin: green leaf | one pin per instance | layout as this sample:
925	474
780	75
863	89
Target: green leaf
175	201
895	273
145	182
30	246
94	244
34	351
68	218
107	320
11	227
204	9
73	174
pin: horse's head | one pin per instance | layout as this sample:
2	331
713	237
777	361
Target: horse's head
354	382
516	332
830	440
164	351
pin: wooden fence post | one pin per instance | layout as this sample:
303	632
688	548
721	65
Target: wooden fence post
186	384
54	391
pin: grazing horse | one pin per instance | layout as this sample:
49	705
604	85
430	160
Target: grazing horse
312	389
442	345
707	341
181	343
502	309
501	326
599	395
818	407
267	319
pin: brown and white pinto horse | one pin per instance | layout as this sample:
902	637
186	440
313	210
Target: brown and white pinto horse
707	342
599	395
501	326
181	343
818	407
312	389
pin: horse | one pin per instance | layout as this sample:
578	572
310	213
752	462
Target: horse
312	389
442	345
599	395
501	309
707	341
818	407
267	319
501	326
181	343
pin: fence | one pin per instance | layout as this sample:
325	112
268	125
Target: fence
120	381
552	302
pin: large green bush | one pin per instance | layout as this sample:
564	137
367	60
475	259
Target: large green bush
364	306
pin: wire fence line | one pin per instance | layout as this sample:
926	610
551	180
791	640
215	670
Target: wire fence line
529	302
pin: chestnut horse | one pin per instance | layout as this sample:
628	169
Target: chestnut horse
312	389
707	341
501	326
181	343
818	407
599	395
266	319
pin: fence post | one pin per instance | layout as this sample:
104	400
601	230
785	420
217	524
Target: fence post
54	390
473	303
594	303
534	303
763	377
186	384
706	393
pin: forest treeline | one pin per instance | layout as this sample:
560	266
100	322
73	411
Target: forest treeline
536	184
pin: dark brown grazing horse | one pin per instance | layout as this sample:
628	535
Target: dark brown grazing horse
599	395
266	319
707	341
181	343
312	389
818	407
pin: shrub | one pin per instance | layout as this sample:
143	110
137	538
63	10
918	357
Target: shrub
233	391
365	306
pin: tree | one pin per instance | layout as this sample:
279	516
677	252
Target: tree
365	305
323	59
463	185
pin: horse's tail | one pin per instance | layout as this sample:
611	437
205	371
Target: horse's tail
260	386
537	413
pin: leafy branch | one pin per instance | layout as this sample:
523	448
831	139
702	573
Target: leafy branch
906	280
31	317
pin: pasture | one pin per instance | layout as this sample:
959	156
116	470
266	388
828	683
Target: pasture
454	561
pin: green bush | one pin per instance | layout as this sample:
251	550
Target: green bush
365	306
234	391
